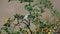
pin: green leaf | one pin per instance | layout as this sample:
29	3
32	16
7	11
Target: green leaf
8	23
18	16
21	1
17	32
28	7
28	0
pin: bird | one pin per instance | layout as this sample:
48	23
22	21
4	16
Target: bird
26	18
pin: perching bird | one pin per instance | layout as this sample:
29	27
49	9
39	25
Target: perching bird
26	18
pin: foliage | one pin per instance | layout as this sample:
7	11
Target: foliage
35	13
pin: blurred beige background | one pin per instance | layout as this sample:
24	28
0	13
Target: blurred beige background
8	9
